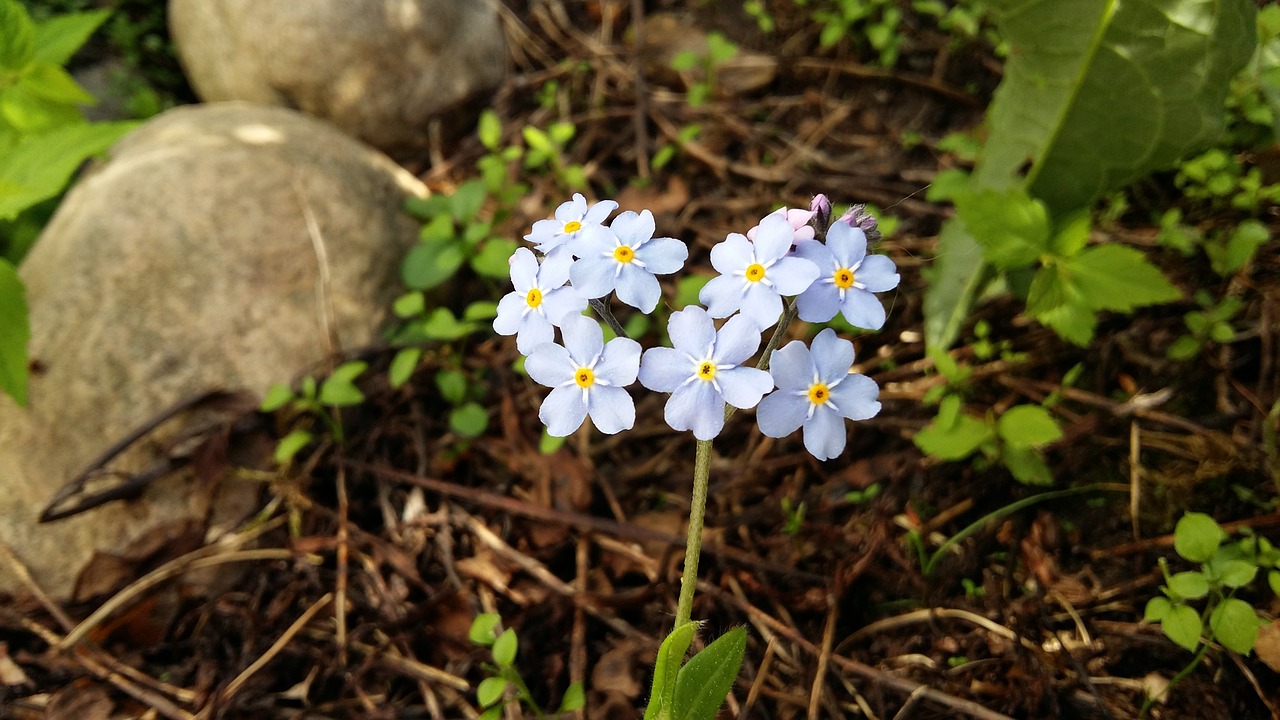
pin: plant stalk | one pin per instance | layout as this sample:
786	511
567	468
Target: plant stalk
697	514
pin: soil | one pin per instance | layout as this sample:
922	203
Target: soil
405	532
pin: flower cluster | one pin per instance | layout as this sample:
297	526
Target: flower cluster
793	253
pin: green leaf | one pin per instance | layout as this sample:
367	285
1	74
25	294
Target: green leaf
1120	278
505	648
469	420
1157	610
707	678
1273	579
17	36
1059	304
58	38
403	365
1011	227
666	669
490	691
493	713
1027	465
538	140
410	304
1235	625
1098	93
953	435
52	83
493	258
489	129
1189	585
339	390
290	444
277	397
1243	243
15	333
1197	536
953	280
466	200
548	444
1183	626
480	310
430	208
452	385
430	264
483	628
1072	235
575	698
39	167
441	324
31	113
1028	426
1237	573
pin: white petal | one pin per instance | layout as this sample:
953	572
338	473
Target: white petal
563	411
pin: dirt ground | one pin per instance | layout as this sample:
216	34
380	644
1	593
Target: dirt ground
414	530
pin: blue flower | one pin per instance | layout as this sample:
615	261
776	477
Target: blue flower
817	390
587	377
754	276
574	220
626	260
848	278
703	370
539	301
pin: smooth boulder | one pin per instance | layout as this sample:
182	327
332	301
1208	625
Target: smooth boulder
378	69
223	246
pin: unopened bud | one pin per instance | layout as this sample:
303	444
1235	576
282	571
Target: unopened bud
820	206
858	217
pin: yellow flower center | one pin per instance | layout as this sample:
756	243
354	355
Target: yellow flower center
572	226
843	278
755	272
819	393
624	254
534	298
584	377
706	370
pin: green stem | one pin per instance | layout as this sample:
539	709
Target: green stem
697	514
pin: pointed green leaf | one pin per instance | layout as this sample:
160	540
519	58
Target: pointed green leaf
490	691
290	444
1183	626
1157	609
52	83
1011	227
1117	277
42	164
1097	93
505	647
1027	465
1059	304
277	397
707	678
17	36
58	38
575	698
465	201
339	390
953	278
666	669
1235	625
15	333
403	365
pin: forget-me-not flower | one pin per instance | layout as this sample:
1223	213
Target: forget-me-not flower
848	278
797	218
587	377
626	260
816	390
755	276
539	301
703	370
574	220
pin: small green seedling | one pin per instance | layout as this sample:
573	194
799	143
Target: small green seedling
794	514
497	168
1226	567
505	684
1016	438
700	68
1212	323
314	402
546	151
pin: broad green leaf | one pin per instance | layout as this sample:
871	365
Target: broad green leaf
707	678
430	264
403	365
954	276
290	444
493	258
469	420
490	691
1072	235
42	164
958	441
1235	625
1237	573
480	310
466	200
1098	93
339	390
1189	585
442	325
1182	625
505	648
15	333
666	669
1027	465
409	304
1120	278
52	83
17	37
483	628
1011	227
1157	609
1028	426
1197	536
452	385
58	38
30	113
1055	301
277	397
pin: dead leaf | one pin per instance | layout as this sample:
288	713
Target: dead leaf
11	673
1268	645
616	670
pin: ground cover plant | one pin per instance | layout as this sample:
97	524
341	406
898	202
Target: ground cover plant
1066	505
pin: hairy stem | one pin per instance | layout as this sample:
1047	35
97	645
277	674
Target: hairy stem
697	513
602	309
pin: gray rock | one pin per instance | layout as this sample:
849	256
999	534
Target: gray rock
185	263
379	69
